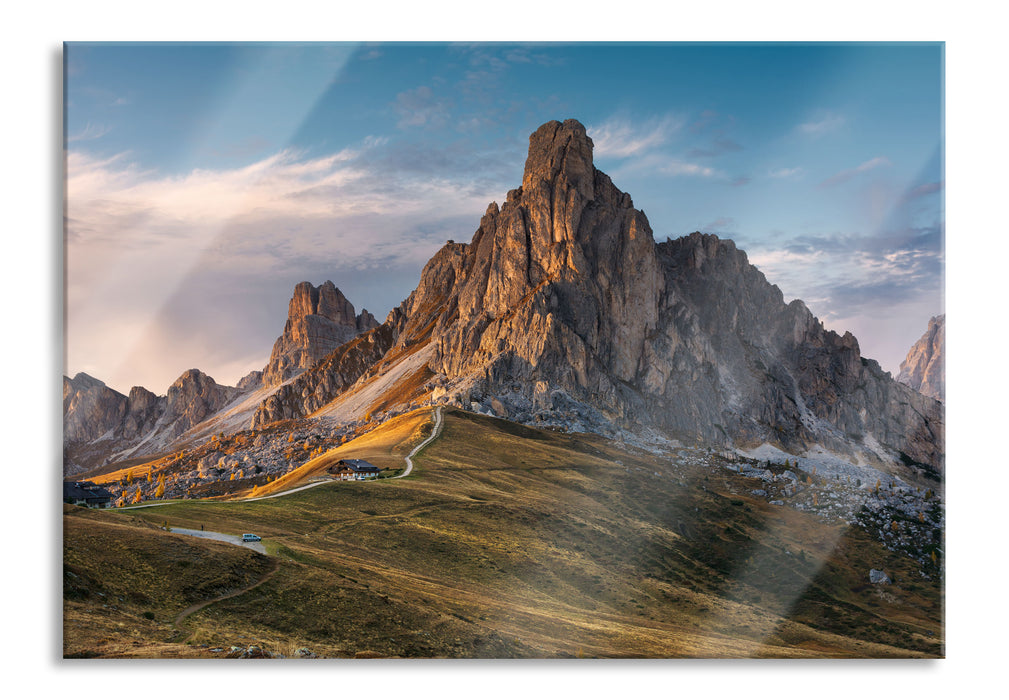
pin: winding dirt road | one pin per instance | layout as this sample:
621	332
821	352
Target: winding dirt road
199	606
434	434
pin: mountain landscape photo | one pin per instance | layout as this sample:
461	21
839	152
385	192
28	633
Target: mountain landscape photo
421	379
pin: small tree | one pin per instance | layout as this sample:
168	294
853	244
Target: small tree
159	492
139	496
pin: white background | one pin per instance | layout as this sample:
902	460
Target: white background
30	169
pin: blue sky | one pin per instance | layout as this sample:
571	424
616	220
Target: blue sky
205	181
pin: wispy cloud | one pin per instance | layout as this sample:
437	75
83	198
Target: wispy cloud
823	124
420	107
620	138
785	172
718	146
89	133
721	225
845	175
678	167
923	191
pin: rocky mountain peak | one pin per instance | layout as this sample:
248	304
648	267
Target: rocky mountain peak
924	367
325	300
560	153
319	320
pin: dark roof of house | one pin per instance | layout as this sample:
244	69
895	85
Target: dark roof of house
83	491
358	465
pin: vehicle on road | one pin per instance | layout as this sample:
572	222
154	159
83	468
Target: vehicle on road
248	537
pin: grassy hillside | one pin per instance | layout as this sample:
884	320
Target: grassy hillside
125	581
511	541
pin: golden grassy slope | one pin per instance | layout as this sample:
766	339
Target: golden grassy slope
517	542
386	448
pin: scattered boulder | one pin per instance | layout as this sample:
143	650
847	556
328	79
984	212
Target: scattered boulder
879	577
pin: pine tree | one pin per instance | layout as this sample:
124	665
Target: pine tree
159	492
138	497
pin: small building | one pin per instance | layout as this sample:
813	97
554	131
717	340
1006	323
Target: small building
353	470
86	493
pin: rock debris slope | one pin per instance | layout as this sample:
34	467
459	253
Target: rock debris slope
924	367
563	310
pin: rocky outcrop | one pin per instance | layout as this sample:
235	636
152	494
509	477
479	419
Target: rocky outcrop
191	398
563	307
250	382
924	368
90	409
143	409
318	386
320	319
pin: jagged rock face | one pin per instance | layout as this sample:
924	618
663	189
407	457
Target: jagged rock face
320	319
250	382
144	409
562	301
193	397
924	368
318	386
90	409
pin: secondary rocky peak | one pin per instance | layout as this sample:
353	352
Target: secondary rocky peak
924	367
325	300
319	320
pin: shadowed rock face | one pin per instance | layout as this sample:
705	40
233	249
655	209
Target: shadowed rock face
320	319
924	367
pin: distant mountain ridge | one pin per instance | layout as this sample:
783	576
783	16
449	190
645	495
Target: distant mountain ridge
924	368
99	421
563	311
